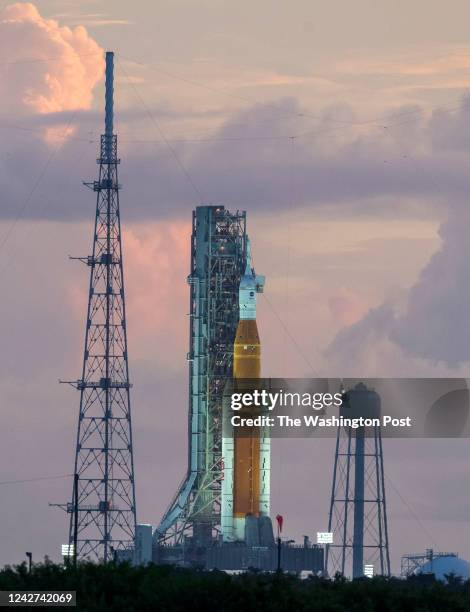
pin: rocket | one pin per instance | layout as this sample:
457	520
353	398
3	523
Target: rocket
246	473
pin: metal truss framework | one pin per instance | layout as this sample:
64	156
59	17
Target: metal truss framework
218	245
103	510
358	514
413	562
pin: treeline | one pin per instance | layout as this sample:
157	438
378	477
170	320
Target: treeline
123	588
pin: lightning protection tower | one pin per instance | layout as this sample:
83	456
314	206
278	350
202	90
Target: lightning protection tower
358	513
103	512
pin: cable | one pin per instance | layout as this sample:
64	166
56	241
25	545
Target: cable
342	122
148	141
35	186
290	203
41	131
40	207
163	137
412	512
390	123
220	139
216	139
47	59
7	482
230	95
294	341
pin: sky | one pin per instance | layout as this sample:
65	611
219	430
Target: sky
341	128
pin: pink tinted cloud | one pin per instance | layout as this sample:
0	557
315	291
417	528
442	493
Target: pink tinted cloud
346	307
156	264
45	67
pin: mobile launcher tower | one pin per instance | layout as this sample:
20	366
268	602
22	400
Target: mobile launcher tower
219	516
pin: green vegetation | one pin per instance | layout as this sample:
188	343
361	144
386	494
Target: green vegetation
163	588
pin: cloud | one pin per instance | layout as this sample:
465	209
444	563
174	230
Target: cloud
426	330
45	67
253	161
155	265
434	325
346	306
417	62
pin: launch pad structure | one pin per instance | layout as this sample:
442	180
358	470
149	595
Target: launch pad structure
220	514
222	330
218	245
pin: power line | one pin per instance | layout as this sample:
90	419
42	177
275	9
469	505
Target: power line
341	122
40	131
46	59
35	186
260	137
229	94
7	482
412	512
92	140
379	120
293	340
162	136
388	123
216	139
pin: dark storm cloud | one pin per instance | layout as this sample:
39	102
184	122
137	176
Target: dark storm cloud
433	322
251	162
435	325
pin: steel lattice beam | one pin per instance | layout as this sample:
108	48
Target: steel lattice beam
218	246
103	510
358	511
